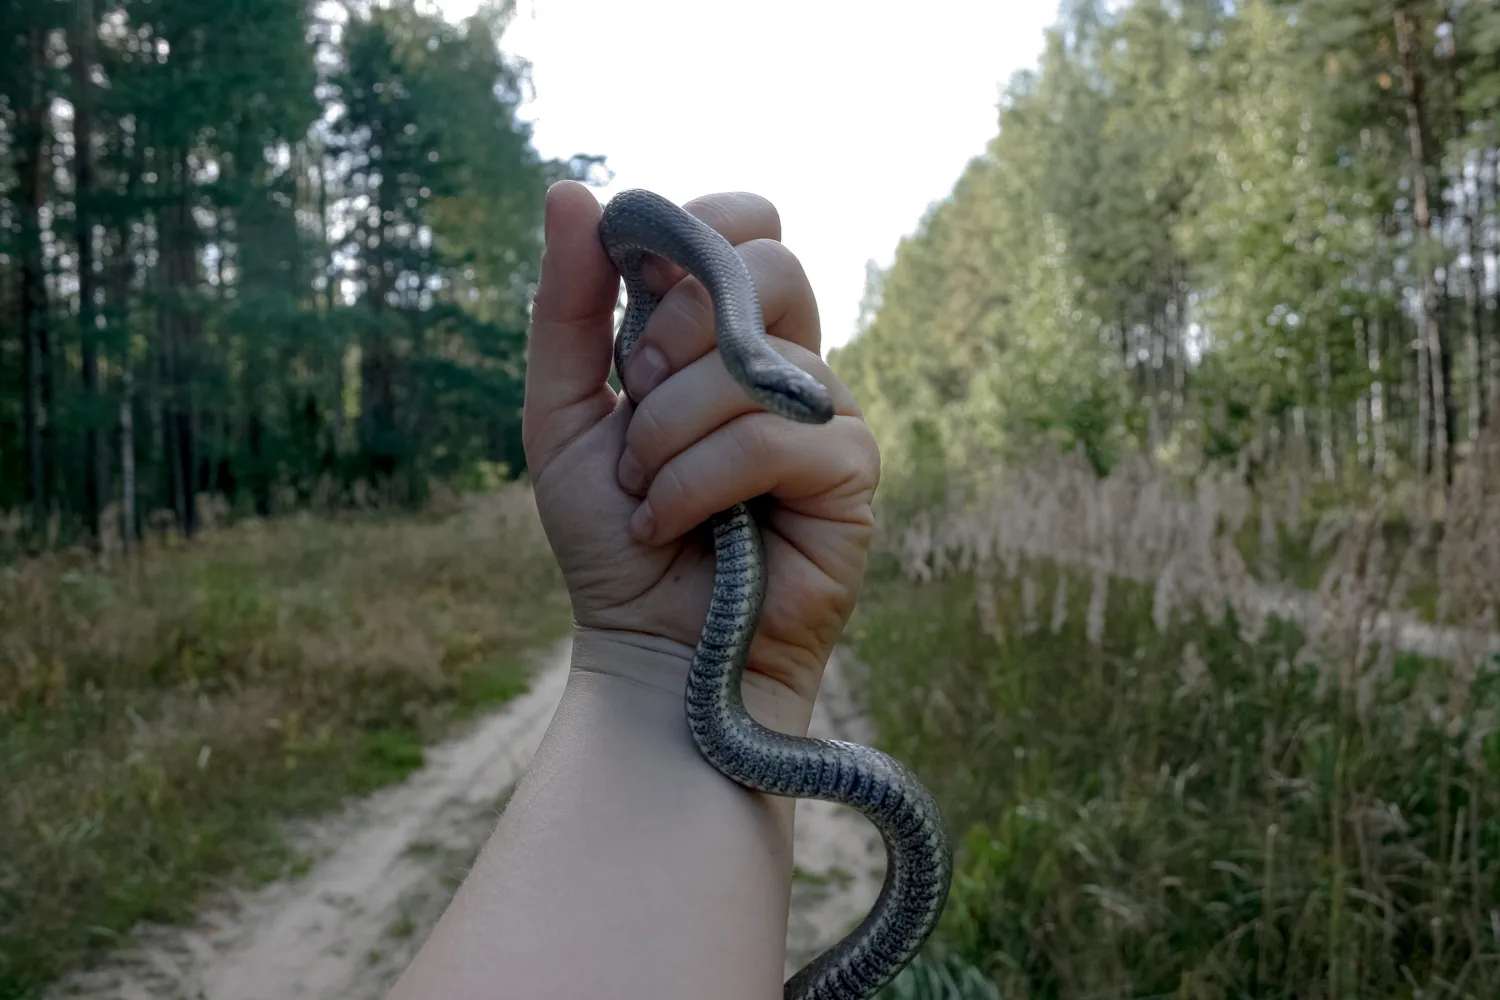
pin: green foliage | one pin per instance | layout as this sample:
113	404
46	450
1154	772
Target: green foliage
161	719
953	979
315	229
1186	812
1195	234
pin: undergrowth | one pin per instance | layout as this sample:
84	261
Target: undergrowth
160	718
1186	813
1160	782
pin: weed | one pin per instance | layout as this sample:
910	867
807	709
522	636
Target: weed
1169	774
160	717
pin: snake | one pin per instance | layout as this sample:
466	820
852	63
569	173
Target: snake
635	225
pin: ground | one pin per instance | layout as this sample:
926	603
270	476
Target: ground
379	874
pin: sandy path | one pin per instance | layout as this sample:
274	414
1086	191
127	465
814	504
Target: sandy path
375	885
838	861
383	870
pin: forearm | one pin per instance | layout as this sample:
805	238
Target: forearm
624	865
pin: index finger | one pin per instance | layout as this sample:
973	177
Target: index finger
738	216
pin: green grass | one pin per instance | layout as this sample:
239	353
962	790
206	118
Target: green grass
160	720
943	979
836	877
482	690
1186	813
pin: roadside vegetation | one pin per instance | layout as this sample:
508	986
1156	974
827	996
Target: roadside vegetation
1188	398
1164	783
163	715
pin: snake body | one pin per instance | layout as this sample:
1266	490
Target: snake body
919	860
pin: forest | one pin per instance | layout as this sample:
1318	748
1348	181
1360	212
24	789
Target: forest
1209	230
263	253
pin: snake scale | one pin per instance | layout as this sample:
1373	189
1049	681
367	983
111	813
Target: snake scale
919	860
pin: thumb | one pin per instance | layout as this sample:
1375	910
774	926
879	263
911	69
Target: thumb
569	343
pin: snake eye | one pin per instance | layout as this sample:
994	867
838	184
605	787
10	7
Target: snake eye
791	392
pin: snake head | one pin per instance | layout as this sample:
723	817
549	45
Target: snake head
790	392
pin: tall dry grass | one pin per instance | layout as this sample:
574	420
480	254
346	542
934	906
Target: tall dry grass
159	714
1174	770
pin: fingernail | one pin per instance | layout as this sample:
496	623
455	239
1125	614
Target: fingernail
648	369
642	524
632	476
550	214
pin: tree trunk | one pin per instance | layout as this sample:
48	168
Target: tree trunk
1429	326
174	323
1406	414
1473	277
1151	372
377	357
1377	402
1361	402
1424	420
96	462
127	456
1179	335
1492	212
340	428
121	272
1325	408
1473	301
31	174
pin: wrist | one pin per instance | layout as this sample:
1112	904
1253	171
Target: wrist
661	666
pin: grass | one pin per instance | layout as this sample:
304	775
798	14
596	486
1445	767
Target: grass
160	718
1158	793
1185	813
838	878
950	979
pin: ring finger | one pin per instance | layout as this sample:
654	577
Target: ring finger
698	400
810	466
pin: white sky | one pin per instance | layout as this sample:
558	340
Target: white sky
851	117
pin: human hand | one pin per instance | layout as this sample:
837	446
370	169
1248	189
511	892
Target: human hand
624	489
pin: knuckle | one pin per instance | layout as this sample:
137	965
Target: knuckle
772	257
673	494
728	211
647	435
687	308
753	439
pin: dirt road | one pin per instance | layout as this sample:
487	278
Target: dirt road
382	871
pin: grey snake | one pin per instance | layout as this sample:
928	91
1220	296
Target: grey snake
919	865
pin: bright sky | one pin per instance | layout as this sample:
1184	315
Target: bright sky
851	117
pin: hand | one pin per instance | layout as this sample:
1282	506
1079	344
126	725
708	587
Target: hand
625	489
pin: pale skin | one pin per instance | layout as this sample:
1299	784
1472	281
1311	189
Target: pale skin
624	865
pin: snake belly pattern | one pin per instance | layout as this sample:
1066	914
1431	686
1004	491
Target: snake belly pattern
918	856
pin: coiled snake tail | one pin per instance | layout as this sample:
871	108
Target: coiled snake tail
919	860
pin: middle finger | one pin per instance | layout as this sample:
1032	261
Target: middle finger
698	400
682	330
